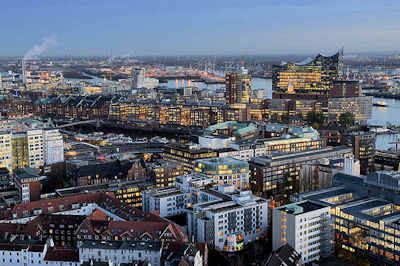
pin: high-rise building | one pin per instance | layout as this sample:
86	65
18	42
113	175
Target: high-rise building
53	146
315	76
6	159
306	227
363	144
32	148
238	87
137	76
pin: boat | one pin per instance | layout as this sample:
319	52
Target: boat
380	103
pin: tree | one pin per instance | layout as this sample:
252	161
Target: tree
347	119
274	118
285	118
315	119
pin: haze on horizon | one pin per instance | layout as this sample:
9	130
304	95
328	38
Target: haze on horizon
184	27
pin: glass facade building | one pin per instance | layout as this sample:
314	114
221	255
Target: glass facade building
314	76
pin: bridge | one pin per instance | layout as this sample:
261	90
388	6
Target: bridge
97	122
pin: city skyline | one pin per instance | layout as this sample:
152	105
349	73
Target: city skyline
96	28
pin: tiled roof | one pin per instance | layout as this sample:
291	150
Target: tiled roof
104	200
98	215
61	254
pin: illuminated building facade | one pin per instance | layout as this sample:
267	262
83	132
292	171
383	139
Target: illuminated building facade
187	154
277	177
164	173
365	215
6	151
363	144
131	192
313	76
225	171
360	107
305	226
228	223
238	87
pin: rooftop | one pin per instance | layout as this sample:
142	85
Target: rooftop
118	245
301	207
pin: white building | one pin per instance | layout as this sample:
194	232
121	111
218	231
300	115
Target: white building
25	253
351	166
140	81
118	252
306	227
217	214
35	148
32	148
137	76
53	146
215	142
167	201
236	218
174	201
6	150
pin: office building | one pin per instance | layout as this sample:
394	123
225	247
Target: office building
139	80
306	226
137	77
53	147
363	144
163	173
365	215
276	177
225	170
360	107
346	88
311	76
186	154
238	87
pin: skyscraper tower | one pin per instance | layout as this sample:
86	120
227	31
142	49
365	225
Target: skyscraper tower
238	87
137	77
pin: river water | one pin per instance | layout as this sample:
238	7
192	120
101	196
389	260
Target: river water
382	115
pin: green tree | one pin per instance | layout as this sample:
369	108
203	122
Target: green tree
285	118
274	118
315	119
347	119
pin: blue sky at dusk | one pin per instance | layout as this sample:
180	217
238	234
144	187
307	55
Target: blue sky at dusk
170	27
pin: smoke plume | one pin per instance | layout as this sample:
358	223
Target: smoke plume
38	49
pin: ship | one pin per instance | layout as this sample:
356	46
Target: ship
380	103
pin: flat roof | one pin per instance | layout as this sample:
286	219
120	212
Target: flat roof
301	207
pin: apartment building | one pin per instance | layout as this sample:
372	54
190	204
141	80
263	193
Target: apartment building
32	148
306	227
118	252
230	221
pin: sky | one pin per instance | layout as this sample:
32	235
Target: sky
206	27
